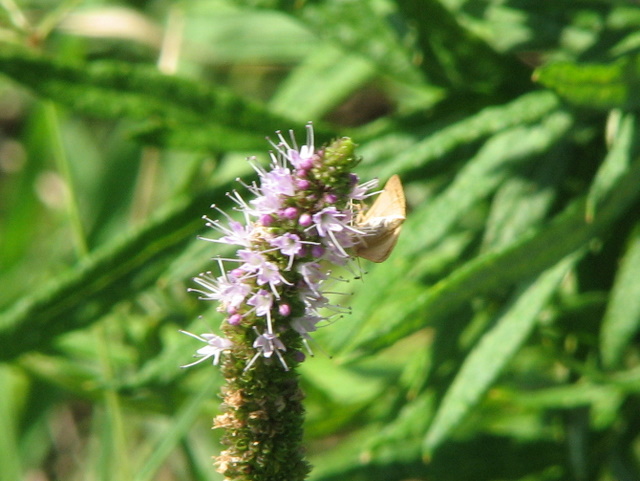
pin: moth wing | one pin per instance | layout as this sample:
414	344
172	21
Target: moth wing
379	248
383	222
390	202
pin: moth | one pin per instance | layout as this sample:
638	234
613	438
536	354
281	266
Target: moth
382	223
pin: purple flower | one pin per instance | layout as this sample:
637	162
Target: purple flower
290	213
313	275
230	291
305	220
216	345
262	301
301	183
306	324
267	204
278	182
270	274
234	234
253	261
317	251
336	245
289	244
266	344
299	158
329	222
284	310
301	214
362	191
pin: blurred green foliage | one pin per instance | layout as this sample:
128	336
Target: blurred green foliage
499	341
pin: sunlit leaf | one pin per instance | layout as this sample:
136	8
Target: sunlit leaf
592	85
495	349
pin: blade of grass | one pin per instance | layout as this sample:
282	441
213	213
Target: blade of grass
179	426
81	295
534	253
173	109
603	86
494	350
622	318
432	222
617	161
527	109
10	458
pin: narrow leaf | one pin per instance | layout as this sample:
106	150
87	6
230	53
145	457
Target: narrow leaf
493	163
454	56
531	255
428	225
602	86
117	90
178	428
617	161
10	404
358	28
80	296
527	109
604	400
523	202
325	78
496	348
622	319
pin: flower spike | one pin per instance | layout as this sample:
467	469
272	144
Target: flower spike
302	220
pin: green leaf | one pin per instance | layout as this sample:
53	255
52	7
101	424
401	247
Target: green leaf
622	318
434	220
531	255
166	441
324	78
494	350
115	272
617	161
12	387
175	111
495	162
527	109
453	56
411	422
522	202
363	28
598	86
603	400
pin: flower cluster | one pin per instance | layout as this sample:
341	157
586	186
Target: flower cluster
300	221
